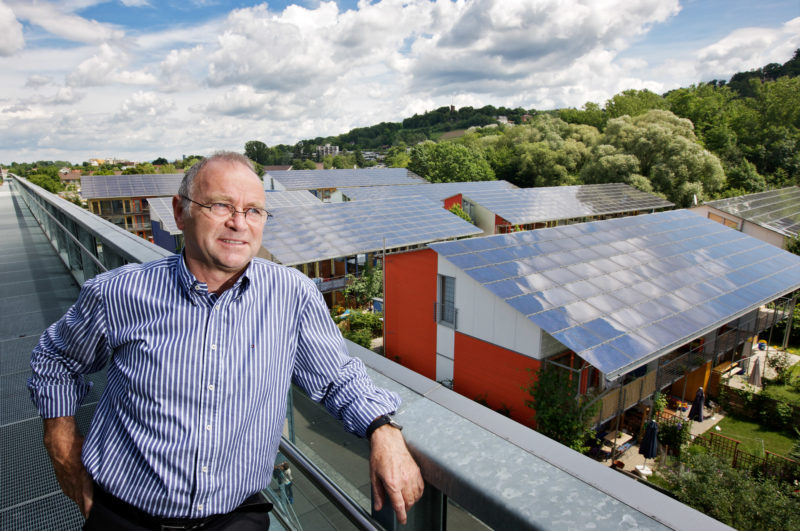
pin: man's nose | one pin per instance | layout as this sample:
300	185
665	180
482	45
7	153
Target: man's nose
237	221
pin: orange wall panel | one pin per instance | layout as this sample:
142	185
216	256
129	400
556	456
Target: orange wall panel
410	297
500	375
450	201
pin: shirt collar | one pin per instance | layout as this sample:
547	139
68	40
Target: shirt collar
190	285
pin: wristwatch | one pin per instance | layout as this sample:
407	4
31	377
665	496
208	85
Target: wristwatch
382	421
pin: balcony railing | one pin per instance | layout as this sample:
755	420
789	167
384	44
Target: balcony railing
479	466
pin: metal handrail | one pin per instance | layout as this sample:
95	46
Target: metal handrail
346	505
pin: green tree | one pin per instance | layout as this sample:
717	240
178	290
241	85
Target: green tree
793	244
633	103
458	211
47	181
300	164
449	162
362	289
160	161
257	151
397	156
733	497
561	413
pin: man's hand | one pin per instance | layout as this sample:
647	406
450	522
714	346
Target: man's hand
64	443
393	471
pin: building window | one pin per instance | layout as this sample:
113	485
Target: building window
447	307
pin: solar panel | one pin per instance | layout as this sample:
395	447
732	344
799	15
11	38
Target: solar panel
119	186
433	191
318	179
777	210
297	235
289	198
537	205
161	211
651	283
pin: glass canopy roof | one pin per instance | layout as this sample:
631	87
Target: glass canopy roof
433	191
161	211
777	210
317	179
114	186
538	205
623	291
297	235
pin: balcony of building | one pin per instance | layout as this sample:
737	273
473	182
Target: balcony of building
482	470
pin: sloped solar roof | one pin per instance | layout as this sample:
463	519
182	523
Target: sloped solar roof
161	211
623	291
536	205
777	210
316	179
433	191
112	186
297	235
289	198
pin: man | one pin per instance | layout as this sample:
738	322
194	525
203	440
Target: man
201	348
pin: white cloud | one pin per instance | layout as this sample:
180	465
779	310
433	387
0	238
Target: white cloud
748	48
107	67
146	106
59	21
135	3
37	80
11	39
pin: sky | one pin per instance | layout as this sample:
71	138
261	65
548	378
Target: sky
142	79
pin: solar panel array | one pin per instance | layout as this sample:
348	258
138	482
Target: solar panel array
433	191
619	292
161	211
777	210
297	235
316	179
537	205
289	198
115	186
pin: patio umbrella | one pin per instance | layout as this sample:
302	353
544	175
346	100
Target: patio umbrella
649	445
755	374
696	413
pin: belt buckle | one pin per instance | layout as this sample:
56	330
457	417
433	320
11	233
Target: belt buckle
165	527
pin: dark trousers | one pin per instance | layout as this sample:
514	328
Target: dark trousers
109	512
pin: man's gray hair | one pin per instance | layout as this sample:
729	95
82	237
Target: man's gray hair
187	183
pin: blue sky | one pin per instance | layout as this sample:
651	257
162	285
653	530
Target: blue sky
141	79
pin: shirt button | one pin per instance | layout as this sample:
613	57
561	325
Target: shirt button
213	347
200	507
197	287
208	427
205	469
210	387
216	306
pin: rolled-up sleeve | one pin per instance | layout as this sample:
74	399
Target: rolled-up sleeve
73	346
328	374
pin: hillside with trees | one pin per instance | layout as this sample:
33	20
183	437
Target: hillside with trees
710	140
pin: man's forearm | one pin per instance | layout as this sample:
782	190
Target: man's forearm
64	443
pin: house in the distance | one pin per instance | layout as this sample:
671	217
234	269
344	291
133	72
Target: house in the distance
772	216
121	199
503	211
327	184
630	305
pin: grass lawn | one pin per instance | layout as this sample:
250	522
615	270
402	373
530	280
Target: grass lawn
751	434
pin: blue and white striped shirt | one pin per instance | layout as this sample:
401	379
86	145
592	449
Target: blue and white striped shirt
191	417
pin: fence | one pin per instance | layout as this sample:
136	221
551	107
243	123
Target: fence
771	464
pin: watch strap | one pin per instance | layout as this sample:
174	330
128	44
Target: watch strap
381	421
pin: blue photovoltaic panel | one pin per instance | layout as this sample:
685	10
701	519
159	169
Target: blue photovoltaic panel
322	179
308	233
433	191
538	205
161	211
638	286
777	210
120	186
289	198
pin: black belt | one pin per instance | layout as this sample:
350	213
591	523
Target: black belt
254	503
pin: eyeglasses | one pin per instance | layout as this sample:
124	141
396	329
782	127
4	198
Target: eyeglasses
253	215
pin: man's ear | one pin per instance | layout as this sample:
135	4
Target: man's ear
178	210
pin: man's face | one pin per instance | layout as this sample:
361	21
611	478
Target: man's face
221	246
